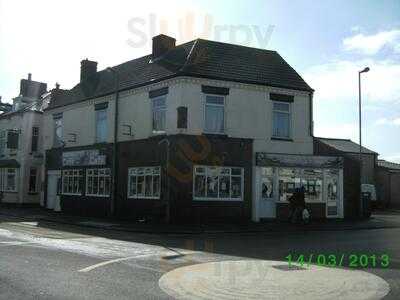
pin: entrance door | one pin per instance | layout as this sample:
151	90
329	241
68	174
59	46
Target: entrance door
53	200
267	206
333	195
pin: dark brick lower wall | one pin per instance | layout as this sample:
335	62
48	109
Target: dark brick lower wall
318	210
185	152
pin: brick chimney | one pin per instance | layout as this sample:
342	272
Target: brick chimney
161	44
88	69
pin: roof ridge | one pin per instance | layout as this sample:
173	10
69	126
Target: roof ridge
235	45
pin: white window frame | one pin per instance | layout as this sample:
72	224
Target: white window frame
152	171
227	199
97	137
4	172
215	105
76	173
99	170
288	112
162	109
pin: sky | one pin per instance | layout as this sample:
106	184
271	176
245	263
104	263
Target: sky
326	42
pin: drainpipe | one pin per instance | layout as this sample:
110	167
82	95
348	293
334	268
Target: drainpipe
115	146
311	112
168	206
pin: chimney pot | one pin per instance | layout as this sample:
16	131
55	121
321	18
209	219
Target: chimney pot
57	85
162	44
29	76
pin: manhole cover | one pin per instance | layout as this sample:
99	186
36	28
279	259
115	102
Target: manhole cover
256	279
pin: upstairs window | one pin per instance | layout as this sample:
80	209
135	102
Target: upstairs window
159	108
35	139
58	130
12	139
215	114
281	120
101	126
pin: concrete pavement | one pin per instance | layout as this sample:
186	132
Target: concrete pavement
382	219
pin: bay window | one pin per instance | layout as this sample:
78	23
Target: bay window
218	183
144	182
98	182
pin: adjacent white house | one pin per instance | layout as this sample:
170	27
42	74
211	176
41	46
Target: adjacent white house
21	145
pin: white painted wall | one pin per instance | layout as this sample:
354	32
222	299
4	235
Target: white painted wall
248	113
24	123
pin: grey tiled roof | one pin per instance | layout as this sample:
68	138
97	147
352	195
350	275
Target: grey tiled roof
388	165
198	58
345	145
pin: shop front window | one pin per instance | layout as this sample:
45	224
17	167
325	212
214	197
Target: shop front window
144	182
98	182
289	180
312	183
218	183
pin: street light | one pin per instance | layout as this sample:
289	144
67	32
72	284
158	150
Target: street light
365	70
114	173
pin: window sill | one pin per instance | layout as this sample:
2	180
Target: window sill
70	194
218	200
281	139
97	196
215	134
144	197
156	133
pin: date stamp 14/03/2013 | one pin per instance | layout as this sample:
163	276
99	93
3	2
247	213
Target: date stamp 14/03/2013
340	260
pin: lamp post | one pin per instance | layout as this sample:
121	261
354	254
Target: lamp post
365	70
114	166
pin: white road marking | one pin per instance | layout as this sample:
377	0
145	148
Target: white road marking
6	244
108	262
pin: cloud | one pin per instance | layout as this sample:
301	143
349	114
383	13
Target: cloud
372	44
343	131
386	121
393	158
337	81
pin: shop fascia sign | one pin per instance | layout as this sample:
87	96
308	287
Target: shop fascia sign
307	161
83	158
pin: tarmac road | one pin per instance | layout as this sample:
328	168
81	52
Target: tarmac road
55	261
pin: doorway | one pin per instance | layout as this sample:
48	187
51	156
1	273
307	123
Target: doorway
266	193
